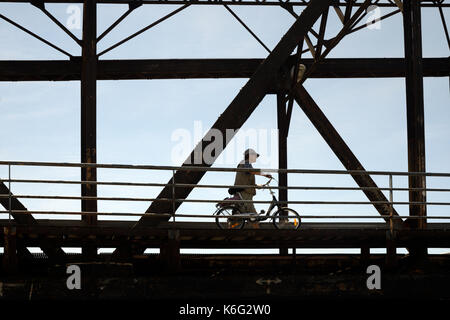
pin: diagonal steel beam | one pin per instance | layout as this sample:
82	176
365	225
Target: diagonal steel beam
167	16
19	218
348	10
35	35
342	33
320	41
131	7
342	151
444	25
246	27
40	4
241	107
271	3
15	205
26	219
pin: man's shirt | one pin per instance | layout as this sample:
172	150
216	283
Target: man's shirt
246	178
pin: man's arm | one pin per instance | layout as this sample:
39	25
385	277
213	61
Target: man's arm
255	171
260	173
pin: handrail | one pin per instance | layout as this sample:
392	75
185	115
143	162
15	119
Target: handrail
172	169
219	200
143	184
160	215
224	169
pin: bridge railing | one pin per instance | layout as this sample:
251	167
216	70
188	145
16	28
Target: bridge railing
9	182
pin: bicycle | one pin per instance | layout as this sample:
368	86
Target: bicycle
282	218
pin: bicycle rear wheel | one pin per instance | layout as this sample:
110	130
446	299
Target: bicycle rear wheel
286	219
230	222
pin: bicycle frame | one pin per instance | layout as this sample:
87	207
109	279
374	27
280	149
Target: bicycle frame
274	203
257	217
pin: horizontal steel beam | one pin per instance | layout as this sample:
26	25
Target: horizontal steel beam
301	3
124	227
207	235
61	70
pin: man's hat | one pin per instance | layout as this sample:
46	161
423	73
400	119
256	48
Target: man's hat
250	151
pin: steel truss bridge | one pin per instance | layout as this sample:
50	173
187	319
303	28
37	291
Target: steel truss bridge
280	73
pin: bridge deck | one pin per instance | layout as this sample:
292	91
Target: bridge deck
70	233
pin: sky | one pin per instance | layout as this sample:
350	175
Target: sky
138	121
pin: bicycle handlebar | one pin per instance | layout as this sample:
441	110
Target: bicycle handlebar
267	184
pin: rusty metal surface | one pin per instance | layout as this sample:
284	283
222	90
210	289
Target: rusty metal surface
340	148
207	235
55	70
415	106
266	76
231	277
244	103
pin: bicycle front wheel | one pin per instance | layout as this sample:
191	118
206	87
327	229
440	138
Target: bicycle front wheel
230	222
286	219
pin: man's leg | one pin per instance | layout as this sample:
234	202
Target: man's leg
235	222
249	208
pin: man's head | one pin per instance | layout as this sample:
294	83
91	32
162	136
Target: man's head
250	155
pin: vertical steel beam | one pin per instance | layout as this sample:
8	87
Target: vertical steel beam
170	252
414	106
282	147
282	124
88	115
365	255
415	111
10	250
391	250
